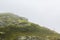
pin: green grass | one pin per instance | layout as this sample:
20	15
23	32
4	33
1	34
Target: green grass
14	26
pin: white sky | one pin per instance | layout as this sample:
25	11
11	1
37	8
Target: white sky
43	12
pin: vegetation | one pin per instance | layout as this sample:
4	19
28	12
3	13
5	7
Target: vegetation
13	27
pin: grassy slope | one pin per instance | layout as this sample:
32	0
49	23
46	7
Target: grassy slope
13	25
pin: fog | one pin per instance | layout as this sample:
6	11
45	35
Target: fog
42	12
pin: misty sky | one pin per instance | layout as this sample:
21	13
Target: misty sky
43	12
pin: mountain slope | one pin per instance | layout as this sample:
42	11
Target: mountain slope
12	26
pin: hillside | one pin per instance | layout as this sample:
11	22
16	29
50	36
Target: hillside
13	27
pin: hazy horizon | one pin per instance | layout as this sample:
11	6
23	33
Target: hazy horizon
43	12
